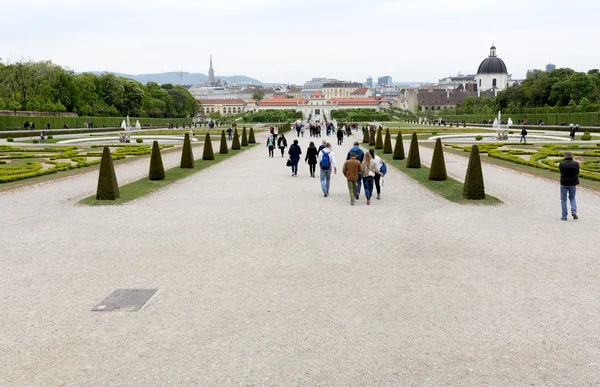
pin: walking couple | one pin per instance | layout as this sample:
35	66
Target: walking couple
365	167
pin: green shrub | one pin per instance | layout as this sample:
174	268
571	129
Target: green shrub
438	164
2	162
251	139
235	144
474	188
108	188
50	137
244	137
366	137
379	140
586	136
157	169
399	148
139	140
387	144
208	153
372	138
187	156
414	158
478	138
511	132
434	133
224	149
36	141
9	139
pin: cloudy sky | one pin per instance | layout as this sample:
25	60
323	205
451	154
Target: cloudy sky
293	40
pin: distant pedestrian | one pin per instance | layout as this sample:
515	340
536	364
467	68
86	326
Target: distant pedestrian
33	126
572	133
340	136
379	175
271	145
302	130
326	162
229	134
311	158
569	179
43	137
297	130
351	170
368	171
294	153
282	144
523	135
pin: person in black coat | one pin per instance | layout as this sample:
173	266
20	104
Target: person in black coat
282	144
569	179
340	136
311	158
295	153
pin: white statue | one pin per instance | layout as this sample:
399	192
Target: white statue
137	124
123	125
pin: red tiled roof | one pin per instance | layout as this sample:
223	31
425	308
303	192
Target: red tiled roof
317	94
251	100
353	101
222	102
281	100
360	91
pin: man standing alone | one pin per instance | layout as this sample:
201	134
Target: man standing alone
569	179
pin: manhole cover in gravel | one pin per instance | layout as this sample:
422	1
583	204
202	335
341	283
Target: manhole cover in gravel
128	300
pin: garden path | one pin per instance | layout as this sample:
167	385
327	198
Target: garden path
263	281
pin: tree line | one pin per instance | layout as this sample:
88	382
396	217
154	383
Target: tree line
561	90
45	86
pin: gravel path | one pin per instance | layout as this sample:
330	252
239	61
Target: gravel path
262	281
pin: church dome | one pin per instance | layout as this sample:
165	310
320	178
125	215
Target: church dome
492	64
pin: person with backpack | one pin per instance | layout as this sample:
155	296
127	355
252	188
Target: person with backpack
282	144
271	145
350	170
368	171
359	156
523	135
326	161
294	153
382	168
311	158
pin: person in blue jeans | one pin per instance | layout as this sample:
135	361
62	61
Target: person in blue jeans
359	156
569	179
368	171
294	153
326	161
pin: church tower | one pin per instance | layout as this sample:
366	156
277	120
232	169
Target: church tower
211	74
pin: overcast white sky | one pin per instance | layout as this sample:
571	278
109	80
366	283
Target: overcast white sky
295	40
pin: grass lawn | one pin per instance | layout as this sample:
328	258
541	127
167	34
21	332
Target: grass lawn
449	189
144	186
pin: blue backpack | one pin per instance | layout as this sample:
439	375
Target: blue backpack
383	168
325	163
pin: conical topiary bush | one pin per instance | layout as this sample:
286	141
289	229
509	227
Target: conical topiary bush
399	148
157	169
187	156
244	137
223	149
372	138
108	188
366	136
387	144
414	158
474	188
438	164
251	139
207	153
379	140
235	145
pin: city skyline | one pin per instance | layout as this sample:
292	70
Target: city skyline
413	43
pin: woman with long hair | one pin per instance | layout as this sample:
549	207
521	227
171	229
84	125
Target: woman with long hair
311	158
369	170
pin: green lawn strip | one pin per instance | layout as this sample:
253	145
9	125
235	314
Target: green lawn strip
585	183
144	186
449	189
70	172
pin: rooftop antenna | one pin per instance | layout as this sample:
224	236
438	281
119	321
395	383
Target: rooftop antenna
181	74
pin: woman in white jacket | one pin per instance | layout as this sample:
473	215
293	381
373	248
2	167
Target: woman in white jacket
378	163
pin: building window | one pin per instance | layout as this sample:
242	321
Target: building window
480	83
212	109
494	82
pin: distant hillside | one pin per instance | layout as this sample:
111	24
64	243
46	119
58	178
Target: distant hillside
188	79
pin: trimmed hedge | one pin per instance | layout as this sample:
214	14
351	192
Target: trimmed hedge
157	169
207	153
474	188
399	148
17	122
224	149
414	158
438	164
187	156
108	188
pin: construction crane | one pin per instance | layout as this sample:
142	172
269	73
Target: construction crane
181	74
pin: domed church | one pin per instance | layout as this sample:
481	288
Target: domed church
492	74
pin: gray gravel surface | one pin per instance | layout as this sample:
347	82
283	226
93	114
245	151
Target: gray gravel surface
264	282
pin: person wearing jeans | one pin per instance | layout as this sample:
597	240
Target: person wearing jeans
569	179
369	170
359	156
326	162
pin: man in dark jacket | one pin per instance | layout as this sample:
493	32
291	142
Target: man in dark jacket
569	178
359	156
